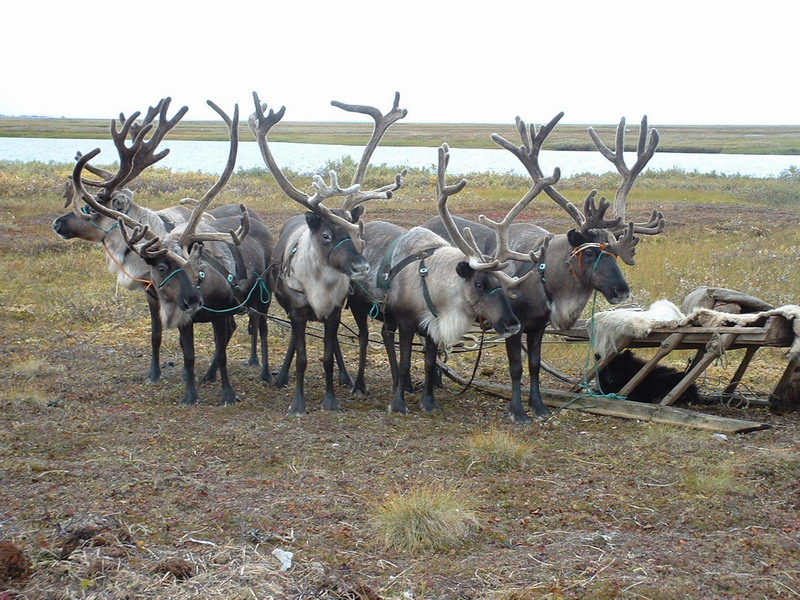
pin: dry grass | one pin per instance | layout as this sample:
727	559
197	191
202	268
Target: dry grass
497	450
112	490
426	518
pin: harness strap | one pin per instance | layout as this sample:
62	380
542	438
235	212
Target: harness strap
232	279
526	267
578	254
423	273
384	277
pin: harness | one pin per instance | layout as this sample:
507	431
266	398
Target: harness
526	267
577	253
386	273
231	278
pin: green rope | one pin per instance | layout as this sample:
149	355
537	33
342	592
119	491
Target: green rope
170	276
264	296
588	392
375	310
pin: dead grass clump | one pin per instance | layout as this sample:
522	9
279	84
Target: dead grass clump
425	518
14	565
709	479
497	450
33	367
177	567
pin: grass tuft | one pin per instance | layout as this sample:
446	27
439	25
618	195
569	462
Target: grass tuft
709	479
496	450
425	518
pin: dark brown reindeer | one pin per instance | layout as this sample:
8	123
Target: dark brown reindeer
203	271
87	224
423	285
318	253
578	263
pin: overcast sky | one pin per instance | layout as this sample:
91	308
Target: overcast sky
679	62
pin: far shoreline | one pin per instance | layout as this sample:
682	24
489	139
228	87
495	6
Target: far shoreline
704	139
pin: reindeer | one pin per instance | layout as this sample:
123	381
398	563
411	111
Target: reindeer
439	297
87	224
579	262
318	253
83	222
202	271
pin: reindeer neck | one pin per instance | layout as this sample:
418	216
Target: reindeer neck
322	287
569	295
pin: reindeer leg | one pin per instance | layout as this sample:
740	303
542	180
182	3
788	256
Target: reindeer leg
253	329
428	401
211	374
403	370
298	407
223	331
534	339
282	379
387	333
330	345
360	386
514	352
344	376
155	337
187	345
263	334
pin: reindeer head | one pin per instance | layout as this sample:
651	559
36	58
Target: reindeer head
87	221
336	234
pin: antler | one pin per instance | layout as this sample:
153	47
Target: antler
648	142
190	235
79	193
501	228
137	234
466	243
260	125
528	155
141	153
382	124
133	159
646	147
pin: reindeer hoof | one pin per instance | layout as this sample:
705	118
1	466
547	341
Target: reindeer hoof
519	418
330	403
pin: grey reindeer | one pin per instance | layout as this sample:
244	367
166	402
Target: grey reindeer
85	223
319	253
202	271
424	285
577	263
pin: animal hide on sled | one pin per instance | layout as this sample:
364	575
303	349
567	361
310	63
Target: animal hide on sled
610	328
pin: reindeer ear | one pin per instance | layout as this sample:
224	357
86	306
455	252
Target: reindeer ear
313	221
576	238
122	200
357	213
464	270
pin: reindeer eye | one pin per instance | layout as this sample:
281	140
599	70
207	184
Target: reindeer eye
479	286
162	268
326	237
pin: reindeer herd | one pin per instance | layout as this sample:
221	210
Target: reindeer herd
199	264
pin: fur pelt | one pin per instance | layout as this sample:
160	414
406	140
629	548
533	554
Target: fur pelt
658	383
609	328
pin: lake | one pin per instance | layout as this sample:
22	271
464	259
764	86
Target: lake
210	157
